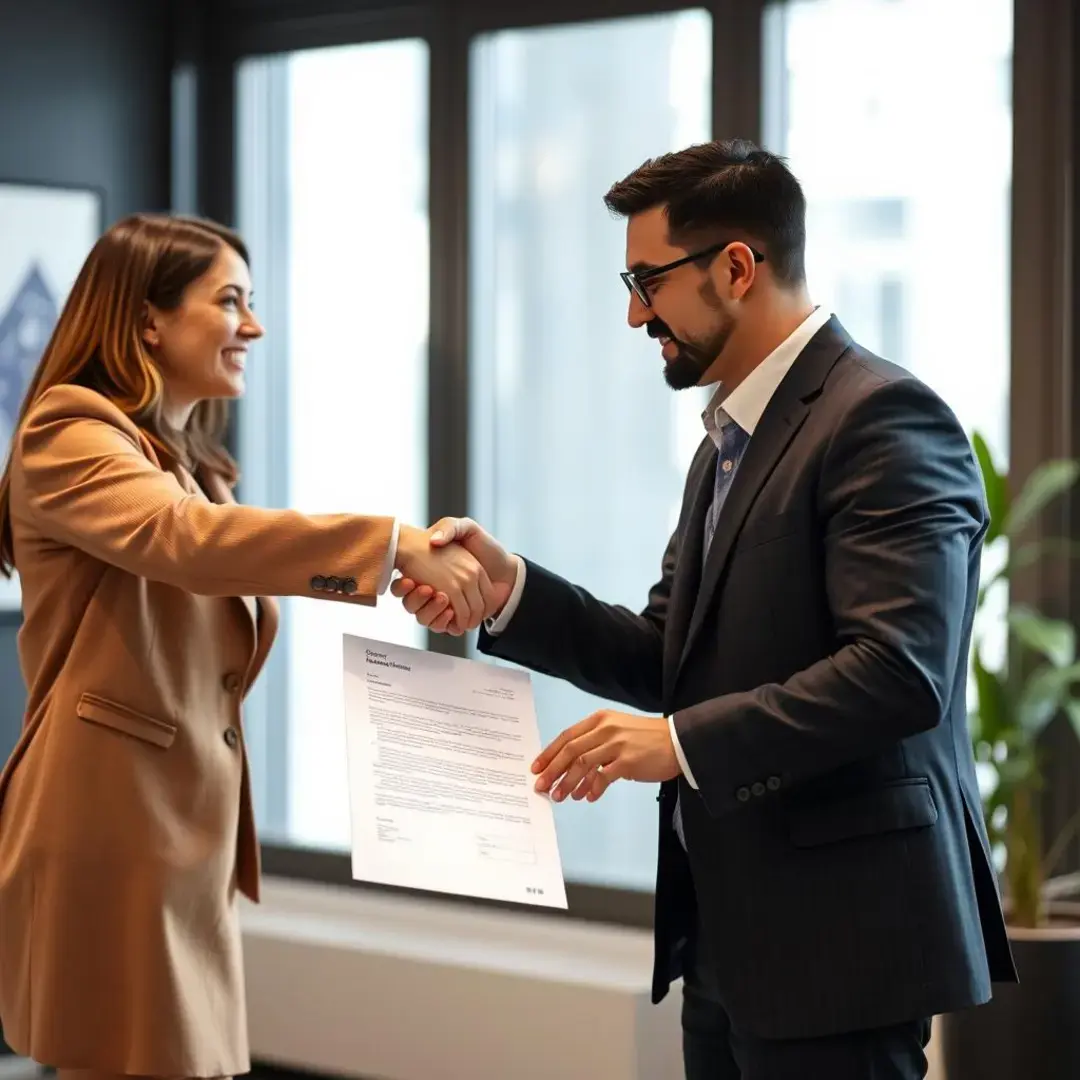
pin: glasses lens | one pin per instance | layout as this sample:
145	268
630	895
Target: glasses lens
635	287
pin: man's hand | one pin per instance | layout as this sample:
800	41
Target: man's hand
432	607
448	571
604	747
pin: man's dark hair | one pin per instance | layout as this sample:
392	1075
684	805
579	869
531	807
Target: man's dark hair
726	184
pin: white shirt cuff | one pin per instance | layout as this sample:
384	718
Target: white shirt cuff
680	755
391	559
498	624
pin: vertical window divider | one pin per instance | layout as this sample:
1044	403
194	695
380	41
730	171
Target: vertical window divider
448	214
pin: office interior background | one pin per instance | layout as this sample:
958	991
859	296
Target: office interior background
421	187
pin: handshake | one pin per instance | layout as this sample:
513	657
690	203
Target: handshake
453	575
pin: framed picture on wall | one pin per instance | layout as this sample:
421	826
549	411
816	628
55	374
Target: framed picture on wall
46	232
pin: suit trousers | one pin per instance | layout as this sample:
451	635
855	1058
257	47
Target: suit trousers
714	1050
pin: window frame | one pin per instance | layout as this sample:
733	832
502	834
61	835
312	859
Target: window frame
215	35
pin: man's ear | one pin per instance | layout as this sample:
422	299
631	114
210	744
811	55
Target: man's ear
150	334
741	268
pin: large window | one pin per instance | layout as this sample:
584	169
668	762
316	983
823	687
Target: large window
908	185
578	448
333	199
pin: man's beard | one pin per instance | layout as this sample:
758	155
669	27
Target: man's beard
694	358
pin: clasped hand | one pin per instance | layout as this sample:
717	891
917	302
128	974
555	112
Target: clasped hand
453	575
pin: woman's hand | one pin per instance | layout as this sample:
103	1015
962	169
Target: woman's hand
450	572
433	608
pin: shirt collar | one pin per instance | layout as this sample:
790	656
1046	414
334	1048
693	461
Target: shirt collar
747	402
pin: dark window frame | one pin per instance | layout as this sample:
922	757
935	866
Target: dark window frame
213	35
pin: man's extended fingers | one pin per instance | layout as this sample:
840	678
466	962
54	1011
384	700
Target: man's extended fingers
401	587
584	789
544	758
573	760
602	781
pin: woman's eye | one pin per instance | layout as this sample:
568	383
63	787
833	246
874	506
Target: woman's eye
230	300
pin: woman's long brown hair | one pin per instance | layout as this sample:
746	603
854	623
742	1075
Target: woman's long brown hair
98	339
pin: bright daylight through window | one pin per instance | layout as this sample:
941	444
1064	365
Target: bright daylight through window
577	449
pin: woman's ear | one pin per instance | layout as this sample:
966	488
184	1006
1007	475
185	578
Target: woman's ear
150	334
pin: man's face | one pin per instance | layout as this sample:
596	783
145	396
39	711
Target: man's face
686	312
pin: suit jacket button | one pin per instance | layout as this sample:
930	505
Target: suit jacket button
333	584
349	585
318	583
231	682
773	783
743	794
758	789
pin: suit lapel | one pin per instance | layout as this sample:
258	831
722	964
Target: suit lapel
784	415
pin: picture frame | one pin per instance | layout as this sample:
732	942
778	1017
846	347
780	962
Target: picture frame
48	230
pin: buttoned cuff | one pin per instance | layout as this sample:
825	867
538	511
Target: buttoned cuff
391	559
495	626
680	756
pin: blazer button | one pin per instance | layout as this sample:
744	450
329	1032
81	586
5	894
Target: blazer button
231	738
773	783
743	794
318	583
349	585
231	682
333	584
758	789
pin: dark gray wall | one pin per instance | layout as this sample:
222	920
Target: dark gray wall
84	99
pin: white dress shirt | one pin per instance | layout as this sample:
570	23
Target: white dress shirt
745	405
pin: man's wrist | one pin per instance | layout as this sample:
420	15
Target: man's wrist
680	757
501	619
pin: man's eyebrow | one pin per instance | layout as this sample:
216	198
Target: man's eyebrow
641	267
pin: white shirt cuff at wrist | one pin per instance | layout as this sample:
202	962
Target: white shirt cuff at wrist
680	755
391	559
495	626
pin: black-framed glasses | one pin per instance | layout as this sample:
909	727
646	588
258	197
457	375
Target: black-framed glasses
635	280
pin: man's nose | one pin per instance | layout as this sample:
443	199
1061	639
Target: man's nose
638	314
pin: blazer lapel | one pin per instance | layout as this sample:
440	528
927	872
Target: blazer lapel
784	415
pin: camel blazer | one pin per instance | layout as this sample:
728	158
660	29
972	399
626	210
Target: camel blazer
126	821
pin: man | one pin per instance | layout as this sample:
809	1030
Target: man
824	884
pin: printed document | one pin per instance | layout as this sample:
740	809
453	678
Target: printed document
440	785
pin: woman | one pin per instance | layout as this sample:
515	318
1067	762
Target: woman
126	822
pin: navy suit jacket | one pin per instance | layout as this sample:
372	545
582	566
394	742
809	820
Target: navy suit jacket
837	873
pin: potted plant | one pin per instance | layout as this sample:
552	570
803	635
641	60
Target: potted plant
1028	1031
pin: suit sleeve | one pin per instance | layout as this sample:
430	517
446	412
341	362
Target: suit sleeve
608	650
904	517
88	484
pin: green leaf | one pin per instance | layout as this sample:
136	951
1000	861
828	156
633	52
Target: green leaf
1028	554
1072	708
1046	483
997	495
1052	639
992	712
1044	693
